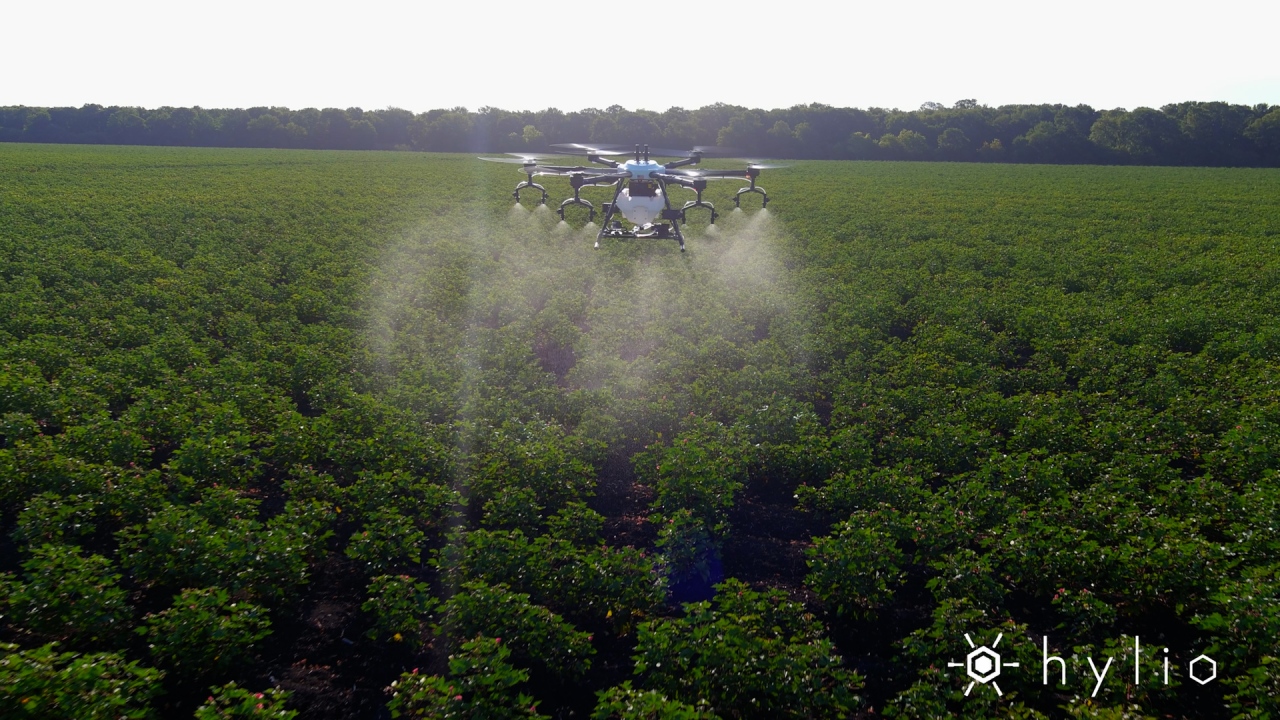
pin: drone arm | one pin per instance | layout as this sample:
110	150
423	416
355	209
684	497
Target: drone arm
691	160
681	180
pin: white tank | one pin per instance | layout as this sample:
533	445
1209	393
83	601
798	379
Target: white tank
640	210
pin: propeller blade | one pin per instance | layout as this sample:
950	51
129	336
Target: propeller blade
657	152
716	150
669	152
766	166
580	149
513	161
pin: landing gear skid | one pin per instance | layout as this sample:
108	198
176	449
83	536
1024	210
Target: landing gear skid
611	228
652	231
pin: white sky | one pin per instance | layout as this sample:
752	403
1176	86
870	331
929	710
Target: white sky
532	55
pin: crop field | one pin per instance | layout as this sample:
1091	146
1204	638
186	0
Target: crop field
350	435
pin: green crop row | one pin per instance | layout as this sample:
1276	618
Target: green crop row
288	424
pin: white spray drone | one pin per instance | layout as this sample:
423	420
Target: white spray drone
641	186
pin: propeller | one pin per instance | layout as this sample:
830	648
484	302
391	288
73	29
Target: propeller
707	174
655	152
580	149
519	158
766	166
514	161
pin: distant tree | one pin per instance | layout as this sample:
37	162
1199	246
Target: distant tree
1144	136
450	132
679	128
294	135
1051	142
1213	132
914	145
265	130
574	127
897	121
821	130
991	151
363	135
711	119
1204	133
745	131
638	127
1264	133
38	126
127	126
954	145
1078	119
333	128
309	120
392	125
533	138
890	147
173	126
604	129
781	142
860	146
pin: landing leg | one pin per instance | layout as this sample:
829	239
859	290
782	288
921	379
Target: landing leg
610	208
604	226
675	216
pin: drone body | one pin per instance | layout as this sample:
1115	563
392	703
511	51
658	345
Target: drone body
641	202
640	186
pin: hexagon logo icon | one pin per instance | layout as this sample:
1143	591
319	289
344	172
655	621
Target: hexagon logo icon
1213	669
983	664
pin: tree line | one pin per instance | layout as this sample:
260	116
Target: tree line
1189	133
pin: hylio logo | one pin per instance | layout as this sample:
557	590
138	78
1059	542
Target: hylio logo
983	664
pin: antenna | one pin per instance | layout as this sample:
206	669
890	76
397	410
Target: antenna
637	153
646	153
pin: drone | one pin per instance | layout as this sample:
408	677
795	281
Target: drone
641	195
